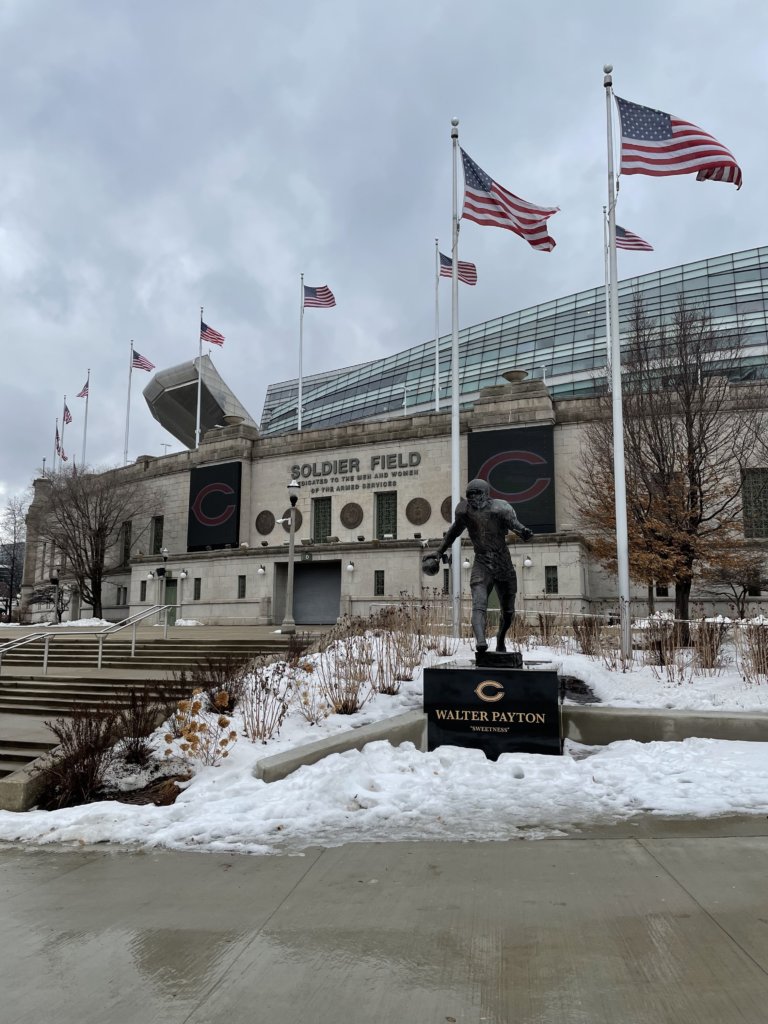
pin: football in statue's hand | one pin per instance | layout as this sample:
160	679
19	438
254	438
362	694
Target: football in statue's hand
430	564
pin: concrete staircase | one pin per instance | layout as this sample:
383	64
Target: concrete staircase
28	696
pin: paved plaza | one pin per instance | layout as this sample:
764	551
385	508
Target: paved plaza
644	923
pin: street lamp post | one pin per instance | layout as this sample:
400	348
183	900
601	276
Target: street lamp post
288	625
54	578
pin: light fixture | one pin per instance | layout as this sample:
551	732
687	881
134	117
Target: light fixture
183	574
389	536
164	553
465	564
261	570
360	537
527	563
350	566
150	575
293	491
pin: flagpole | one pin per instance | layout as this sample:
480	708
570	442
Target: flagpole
607	300
301	348
619	472
128	407
199	380
437	326
85	424
63	421
55	447
455	385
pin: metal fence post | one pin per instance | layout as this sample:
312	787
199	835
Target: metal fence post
101	648
165	626
45	654
133	642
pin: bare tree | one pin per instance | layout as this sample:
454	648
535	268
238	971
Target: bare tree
688	434
737	570
88	517
13	531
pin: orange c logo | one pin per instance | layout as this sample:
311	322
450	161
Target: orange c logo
489	684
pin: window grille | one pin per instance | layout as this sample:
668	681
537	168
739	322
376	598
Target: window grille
157	534
321	519
386	515
755	502
550	579
241	586
196	588
378	583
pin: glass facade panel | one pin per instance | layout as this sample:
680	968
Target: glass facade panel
563	337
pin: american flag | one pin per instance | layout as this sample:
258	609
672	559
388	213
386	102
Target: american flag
659	144
316	297
210	335
486	202
467	271
57	442
67	414
84	392
141	362
629	240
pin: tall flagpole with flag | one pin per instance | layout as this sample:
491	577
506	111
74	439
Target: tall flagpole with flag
607	298
619	471
301	350
128	407
199	380
55	447
85	393
66	417
455	384
437	326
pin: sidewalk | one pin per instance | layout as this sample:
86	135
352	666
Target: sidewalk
648	923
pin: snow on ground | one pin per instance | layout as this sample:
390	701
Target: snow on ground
89	623
385	793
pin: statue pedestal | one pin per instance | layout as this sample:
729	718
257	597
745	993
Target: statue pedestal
498	659
496	710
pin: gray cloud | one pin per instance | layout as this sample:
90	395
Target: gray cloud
160	157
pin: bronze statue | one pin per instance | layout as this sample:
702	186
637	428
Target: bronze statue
487	521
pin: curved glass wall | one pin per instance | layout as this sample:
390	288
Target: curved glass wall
563	341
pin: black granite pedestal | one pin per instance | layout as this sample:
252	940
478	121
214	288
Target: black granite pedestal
496	710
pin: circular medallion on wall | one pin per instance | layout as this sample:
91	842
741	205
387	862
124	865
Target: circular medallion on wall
297	520
418	511
446	510
265	522
351	515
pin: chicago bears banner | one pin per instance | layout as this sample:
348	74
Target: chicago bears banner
214	507
519	464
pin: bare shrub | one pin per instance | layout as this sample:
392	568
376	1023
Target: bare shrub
222	673
204	736
547	626
752	647
266	698
75	773
308	698
344	671
298	645
135	724
588	631
707	638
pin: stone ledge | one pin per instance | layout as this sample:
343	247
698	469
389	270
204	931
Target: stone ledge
596	725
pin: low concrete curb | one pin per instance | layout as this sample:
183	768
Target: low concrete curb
597	725
409	727
590	724
20	790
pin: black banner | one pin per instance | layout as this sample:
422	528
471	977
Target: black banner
214	507
498	711
519	464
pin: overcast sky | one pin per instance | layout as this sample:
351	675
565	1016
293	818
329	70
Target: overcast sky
161	155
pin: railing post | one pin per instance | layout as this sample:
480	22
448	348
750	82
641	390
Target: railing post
45	654
165	626
133	642
101	648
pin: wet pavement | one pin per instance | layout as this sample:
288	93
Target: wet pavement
646	922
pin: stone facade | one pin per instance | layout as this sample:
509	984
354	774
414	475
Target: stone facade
351	465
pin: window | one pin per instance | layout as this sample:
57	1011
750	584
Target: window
753	588
446	581
662	590
241	586
157	534
143	591
550	579
755	502
386	515
197	581
378	583
125	543
321	519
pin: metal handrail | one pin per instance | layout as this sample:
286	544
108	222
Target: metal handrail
115	627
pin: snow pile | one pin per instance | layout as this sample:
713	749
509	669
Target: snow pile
187	622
